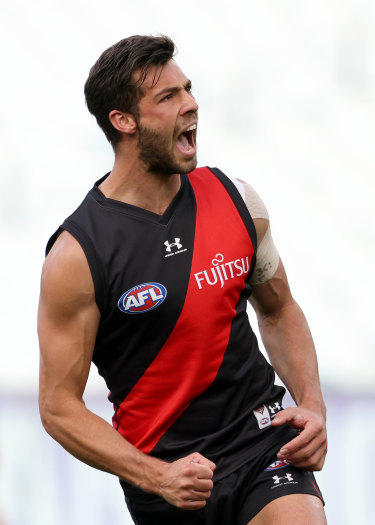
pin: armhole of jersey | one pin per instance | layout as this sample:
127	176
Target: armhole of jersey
242	209
89	251
52	240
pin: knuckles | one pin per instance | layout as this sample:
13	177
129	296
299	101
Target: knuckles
188	482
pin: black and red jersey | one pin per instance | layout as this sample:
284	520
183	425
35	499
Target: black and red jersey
174	344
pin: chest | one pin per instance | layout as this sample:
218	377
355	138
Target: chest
203	252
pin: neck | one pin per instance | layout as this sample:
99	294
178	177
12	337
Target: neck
130	182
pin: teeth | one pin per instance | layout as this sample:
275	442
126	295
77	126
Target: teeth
193	126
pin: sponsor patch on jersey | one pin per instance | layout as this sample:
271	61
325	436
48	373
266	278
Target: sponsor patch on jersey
142	298
276	465
263	416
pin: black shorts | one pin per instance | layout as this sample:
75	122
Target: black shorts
235	499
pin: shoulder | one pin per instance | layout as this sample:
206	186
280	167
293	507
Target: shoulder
255	206
253	201
65	252
268	259
66	277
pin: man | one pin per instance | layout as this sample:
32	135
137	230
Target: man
149	279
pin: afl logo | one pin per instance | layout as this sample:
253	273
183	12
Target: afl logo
277	465
142	298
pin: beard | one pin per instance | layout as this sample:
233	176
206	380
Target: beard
157	153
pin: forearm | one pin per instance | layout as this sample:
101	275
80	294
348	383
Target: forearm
289	344
95	442
288	341
185	483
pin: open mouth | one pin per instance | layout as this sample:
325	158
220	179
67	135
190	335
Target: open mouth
186	140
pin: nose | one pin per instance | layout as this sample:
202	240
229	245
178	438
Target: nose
189	104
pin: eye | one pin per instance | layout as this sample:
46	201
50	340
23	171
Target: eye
167	97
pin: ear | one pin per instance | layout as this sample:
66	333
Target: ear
123	122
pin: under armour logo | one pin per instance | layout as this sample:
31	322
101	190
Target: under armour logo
276	408
176	243
277	479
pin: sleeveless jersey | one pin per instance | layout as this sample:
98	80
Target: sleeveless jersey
174	343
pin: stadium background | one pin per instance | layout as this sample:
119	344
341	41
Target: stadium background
286	93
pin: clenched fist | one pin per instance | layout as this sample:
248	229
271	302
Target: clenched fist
187	482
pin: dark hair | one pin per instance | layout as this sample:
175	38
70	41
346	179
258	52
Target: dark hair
111	84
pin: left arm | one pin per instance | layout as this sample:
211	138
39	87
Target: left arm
288	342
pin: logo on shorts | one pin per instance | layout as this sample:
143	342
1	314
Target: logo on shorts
263	416
277	480
275	408
142	298
280	481
276	465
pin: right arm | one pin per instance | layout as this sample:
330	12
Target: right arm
68	320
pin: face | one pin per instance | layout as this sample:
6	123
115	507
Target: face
167	125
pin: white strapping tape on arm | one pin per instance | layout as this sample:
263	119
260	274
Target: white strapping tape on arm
267	254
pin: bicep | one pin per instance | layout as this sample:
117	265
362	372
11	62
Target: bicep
67	323
66	346
269	298
267	256
270	288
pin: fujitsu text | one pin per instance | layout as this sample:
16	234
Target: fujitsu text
222	271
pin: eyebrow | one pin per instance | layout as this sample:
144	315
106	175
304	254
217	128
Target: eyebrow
173	89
